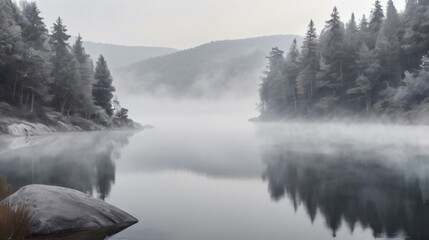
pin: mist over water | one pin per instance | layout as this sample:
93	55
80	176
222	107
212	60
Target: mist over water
206	172
266	135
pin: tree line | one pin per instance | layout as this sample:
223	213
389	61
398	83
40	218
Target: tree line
379	65
40	71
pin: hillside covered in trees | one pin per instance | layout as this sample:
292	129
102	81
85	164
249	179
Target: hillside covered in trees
210	70
45	80
119	56
376	66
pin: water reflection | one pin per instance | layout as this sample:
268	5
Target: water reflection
385	189
81	161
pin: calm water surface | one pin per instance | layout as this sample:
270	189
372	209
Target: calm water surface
226	178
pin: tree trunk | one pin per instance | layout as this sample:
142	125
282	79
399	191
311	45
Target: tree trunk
32	101
368	102
68	111
21	98
26	101
294	98
63	105
63	102
14	85
341	71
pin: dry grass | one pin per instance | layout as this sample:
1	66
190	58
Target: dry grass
5	189
15	224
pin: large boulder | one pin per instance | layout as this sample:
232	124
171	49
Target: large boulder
57	210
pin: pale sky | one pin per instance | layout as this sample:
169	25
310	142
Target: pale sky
187	23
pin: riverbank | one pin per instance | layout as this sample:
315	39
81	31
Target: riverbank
18	123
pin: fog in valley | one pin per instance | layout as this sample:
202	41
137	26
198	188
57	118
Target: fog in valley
250	132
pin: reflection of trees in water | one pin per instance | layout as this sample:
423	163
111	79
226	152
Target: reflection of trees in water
350	188
85	162
105	169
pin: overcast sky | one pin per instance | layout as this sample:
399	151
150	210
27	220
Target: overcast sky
188	23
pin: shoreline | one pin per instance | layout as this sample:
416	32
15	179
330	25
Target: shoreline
21	127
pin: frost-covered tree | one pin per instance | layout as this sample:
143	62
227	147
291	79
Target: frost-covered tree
103	90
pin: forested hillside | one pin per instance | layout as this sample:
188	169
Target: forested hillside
209	70
44	79
371	66
122	56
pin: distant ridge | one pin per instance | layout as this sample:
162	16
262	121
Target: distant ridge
118	56
211	69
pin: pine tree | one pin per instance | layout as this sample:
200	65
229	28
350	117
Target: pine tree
273	89
35	65
364	25
410	5
377	17
414	34
332	49
351	29
309	66
34	29
12	50
60	38
415	88
291	75
424	2
392	22
103	89
39	70
352	41
86	69
65	71
364	35
368	78
388	48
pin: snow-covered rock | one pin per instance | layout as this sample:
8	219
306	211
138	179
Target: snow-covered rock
55	210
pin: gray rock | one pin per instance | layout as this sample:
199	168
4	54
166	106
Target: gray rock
57	210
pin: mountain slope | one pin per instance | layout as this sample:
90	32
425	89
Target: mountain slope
118	56
211	69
